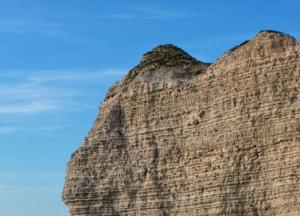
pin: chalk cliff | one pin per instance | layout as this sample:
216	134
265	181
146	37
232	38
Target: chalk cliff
181	137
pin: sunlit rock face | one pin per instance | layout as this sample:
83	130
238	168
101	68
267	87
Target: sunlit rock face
181	137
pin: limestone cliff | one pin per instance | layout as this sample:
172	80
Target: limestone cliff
181	137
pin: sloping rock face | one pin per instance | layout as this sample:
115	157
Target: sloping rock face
180	137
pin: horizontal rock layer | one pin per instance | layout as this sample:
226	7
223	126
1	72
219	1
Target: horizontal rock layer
181	137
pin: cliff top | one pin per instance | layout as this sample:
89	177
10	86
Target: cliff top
266	35
168	55
172	56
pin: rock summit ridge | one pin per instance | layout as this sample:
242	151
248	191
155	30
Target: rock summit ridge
168	55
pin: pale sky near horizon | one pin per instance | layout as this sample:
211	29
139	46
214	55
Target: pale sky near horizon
58	58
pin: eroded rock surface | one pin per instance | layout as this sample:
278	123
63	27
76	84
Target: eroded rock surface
180	137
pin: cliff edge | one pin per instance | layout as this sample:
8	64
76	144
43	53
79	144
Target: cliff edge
177	136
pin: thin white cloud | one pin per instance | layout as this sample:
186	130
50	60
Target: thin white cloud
146	13
10	184
19	189
28	93
12	27
119	16
32	174
6	130
33	91
32	107
73	75
23	27
151	13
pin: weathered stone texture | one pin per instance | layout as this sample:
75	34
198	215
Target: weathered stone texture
181	137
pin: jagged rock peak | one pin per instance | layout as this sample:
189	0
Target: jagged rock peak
275	38
274	32
266	42
167	55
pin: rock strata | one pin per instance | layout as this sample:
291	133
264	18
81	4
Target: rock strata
177	136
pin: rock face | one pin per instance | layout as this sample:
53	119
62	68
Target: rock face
180	137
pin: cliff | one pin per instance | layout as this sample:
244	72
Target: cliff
181	137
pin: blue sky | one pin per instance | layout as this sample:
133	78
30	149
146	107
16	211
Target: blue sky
58	59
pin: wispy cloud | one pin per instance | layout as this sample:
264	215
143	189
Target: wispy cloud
5	130
32	107
161	14
73	75
22	27
17	190
37	181
38	175
32	91
146	13
40	92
